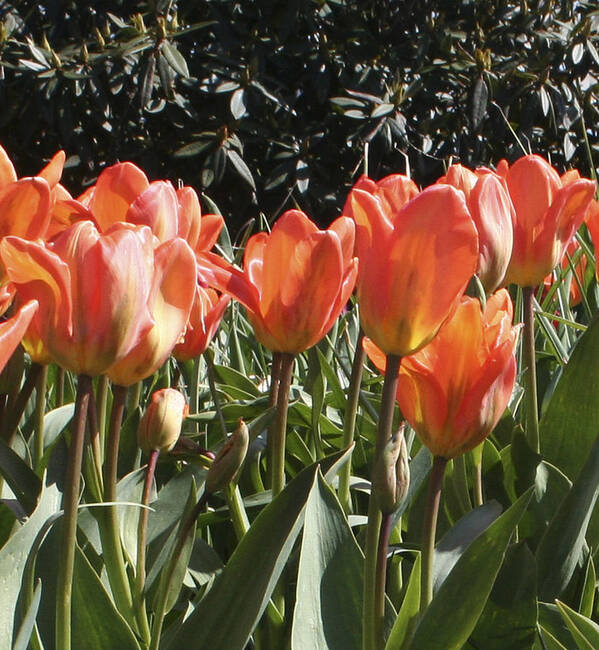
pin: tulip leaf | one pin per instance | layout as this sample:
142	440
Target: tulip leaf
561	546
96	621
22	480
443	625
406	620
509	619
28	623
14	555
566	446
226	616
583	629
551	623
457	540
232	377
328	610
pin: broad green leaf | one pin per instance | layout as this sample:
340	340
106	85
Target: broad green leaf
22	480
566	446
175	58
28	623
230	376
328	610
225	617
560	547
96	622
583	629
552	624
455	542
14	555
406	620
446	626
509	619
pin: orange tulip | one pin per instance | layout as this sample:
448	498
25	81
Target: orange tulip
161	424
13	329
170	300
92	289
417	253
296	280
206	313
454	390
123	193
492	211
548	212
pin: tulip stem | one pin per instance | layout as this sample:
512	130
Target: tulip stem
273	396
429	530
280	425
349	421
66	558
371	617
381	578
60	386
102	408
40	406
108	519
209	358
142	531
530	376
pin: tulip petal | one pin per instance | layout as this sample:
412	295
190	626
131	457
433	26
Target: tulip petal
346	231
116	188
12	331
7	169
395	191
52	172
253	259
25	208
156	207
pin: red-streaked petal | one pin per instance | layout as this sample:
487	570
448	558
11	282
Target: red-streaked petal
25	208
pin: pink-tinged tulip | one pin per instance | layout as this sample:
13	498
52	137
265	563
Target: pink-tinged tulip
92	290
13	329
454	391
170	301
548	211
417	253
206	314
296	280
493	214
160	426
123	193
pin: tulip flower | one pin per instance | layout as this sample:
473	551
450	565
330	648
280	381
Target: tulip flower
548	212
92	289
454	390
417	253
206	313
160	427
492	211
123	193
170	301
296	280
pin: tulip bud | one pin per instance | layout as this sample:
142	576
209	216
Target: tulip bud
229	459
391	476
161	424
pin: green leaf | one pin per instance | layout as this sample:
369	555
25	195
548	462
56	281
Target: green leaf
175	59
509	619
583	629
14	555
22	480
96	621
237	104
566	446
241	168
446	626
552	625
225	617
560	547
328	610
406	620
26	629
232	377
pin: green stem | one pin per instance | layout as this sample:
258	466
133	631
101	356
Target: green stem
209	358
429	530
40	407
102	402
280	424
142	532
60	386
273	396
349	421
381	579
372	624
66	558
108	519
478	484
530	376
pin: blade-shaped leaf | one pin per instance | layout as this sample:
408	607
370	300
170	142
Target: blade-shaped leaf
23	481
406	620
446	626
583	629
328	610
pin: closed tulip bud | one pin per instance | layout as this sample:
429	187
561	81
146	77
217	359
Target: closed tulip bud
229	459
161	424
391	477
